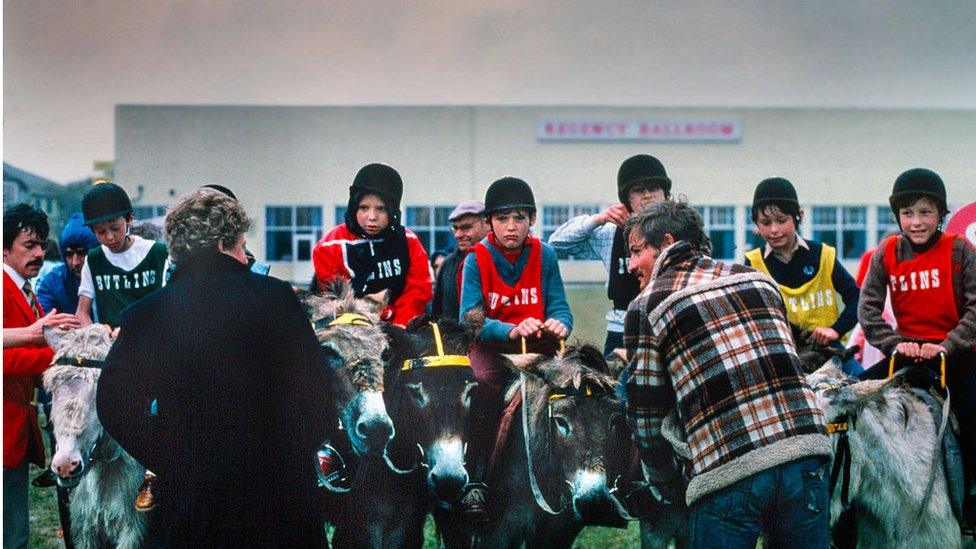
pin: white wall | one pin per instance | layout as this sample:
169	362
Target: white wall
308	155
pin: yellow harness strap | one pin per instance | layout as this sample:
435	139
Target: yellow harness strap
554	396
839	427
441	360
354	319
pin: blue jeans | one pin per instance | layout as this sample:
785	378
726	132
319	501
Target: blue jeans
788	504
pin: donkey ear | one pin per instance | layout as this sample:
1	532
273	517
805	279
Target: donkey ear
618	362
529	363
378	301
474	321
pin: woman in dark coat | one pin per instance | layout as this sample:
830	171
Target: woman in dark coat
217	384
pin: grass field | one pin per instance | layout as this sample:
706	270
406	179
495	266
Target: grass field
589	304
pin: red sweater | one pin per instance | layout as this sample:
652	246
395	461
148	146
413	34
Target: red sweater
331	259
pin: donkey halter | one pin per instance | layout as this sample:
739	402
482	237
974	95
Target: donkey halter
439	361
79	362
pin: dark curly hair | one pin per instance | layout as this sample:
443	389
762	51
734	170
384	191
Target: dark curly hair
23	218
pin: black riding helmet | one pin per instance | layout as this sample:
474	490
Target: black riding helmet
917	182
381	180
509	193
641	168
105	202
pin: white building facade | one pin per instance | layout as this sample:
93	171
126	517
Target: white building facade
291	167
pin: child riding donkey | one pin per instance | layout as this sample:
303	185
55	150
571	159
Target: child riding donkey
808	272
931	276
123	270
515	278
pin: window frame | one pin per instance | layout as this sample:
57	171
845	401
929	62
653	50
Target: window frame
293	229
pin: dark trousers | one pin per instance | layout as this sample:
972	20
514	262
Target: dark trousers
788	503
487	405
16	525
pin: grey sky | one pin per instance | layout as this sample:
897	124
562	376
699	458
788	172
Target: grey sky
67	63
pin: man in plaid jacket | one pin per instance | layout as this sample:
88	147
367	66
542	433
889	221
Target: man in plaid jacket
710	342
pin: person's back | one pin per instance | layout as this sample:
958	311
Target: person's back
230	423
216	383
710	342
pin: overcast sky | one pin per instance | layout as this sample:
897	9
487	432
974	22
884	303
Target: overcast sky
67	63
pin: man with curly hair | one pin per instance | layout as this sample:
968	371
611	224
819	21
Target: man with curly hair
216	383
709	341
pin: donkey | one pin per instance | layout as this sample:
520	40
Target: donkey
897	480
572	433
104	478
349	331
428	390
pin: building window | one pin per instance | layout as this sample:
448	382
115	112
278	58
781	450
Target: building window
720	228
843	227
432	227
291	232
148	212
554	216
886	222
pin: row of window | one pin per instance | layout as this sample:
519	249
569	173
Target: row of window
291	231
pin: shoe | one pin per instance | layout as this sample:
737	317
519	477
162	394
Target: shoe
474	504
146	500
45	480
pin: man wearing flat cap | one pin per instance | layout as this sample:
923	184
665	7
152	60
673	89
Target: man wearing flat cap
468	224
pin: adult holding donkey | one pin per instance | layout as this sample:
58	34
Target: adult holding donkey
216	383
710	341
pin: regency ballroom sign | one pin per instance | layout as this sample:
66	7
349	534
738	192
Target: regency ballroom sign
638	130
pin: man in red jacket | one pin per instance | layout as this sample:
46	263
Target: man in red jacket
25	233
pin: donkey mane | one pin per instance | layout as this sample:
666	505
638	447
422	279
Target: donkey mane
90	342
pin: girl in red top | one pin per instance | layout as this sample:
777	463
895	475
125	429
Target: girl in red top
373	250
931	276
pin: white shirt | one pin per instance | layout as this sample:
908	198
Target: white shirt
126	261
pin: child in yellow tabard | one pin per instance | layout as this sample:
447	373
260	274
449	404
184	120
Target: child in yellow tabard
809	276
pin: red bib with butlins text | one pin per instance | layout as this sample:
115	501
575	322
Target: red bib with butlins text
512	304
921	290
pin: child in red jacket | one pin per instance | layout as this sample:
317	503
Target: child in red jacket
373	250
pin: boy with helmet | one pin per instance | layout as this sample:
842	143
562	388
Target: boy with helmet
641	181
808	273
125	268
931	277
514	277
374	250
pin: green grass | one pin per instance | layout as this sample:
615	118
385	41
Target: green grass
589	304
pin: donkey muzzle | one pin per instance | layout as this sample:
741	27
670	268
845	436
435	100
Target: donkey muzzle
447	476
592	502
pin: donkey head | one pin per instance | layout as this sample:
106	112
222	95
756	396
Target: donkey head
348	330
813	356
429	392
578	433
72	388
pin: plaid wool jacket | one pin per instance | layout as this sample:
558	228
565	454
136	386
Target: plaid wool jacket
710	341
